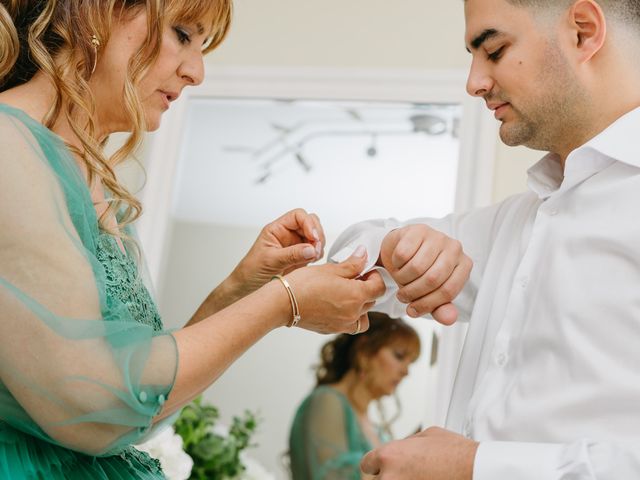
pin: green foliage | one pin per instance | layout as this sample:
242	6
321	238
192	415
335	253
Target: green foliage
214	456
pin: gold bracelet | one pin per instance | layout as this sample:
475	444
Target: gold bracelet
292	298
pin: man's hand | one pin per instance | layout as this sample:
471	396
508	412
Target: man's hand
434	454
429	268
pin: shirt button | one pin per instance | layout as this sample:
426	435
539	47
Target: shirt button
524	282
161	399
466	430
143	396
553	212
501	359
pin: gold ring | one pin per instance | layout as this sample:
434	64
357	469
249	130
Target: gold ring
358	325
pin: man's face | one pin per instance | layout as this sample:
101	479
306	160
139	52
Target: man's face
519	69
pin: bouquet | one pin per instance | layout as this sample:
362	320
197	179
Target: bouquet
198	448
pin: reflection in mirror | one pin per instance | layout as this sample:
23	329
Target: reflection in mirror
245	162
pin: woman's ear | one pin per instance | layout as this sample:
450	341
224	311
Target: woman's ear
588	27
361	362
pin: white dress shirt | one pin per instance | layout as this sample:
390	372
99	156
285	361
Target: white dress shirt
549	379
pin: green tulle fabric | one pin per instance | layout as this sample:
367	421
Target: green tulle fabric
326	441
85	365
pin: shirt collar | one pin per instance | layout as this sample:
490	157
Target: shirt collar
620	139
615	143
545	177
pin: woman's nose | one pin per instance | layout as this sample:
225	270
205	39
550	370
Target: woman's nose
192	70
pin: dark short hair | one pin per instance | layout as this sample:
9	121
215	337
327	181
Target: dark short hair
625	10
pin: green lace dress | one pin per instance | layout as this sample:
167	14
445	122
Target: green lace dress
85	365
326	441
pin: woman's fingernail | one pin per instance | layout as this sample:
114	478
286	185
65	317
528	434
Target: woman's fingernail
412	312
360	251
309	252
314	232
318	249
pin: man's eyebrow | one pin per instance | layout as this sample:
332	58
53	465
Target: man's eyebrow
483	37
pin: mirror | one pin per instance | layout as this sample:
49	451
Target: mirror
244	162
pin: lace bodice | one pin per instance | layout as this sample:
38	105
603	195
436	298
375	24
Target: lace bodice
124	282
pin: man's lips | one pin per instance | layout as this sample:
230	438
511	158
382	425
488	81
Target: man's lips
498	108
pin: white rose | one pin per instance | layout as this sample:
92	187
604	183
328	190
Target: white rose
166	447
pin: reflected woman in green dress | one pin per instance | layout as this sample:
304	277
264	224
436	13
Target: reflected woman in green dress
331	430
86	368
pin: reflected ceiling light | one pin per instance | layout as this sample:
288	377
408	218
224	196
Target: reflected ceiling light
290	140
429	124
304	163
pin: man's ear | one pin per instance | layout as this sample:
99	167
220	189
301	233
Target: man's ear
588	29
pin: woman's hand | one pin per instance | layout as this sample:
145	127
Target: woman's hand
332	298
290	242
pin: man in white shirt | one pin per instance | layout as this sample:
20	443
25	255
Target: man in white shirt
549	381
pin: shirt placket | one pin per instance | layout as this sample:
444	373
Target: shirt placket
502	365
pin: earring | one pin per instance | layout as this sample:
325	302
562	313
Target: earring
96	44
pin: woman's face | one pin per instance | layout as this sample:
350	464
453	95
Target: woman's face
179	64
387	367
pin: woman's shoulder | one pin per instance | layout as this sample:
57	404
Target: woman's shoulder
11	121
328	398
19	133
327	391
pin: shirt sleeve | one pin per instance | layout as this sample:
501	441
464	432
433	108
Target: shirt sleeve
582	460
475	230
75	368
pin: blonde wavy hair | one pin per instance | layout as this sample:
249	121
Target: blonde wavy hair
55	37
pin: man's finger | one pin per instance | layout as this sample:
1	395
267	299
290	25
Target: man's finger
432	280
421	261
446	314
370	463
408	245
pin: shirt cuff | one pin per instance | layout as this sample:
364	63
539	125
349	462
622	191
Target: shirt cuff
511	460
372	241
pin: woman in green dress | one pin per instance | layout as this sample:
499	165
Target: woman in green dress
331	430
86	368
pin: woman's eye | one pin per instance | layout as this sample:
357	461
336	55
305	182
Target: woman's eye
400	355
495	56
183	36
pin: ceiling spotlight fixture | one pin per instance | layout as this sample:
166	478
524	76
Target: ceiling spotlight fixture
289	140
429	124
372	151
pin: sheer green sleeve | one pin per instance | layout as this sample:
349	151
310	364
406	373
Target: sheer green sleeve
76	368
326	442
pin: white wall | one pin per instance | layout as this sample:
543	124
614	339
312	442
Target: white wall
352	33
